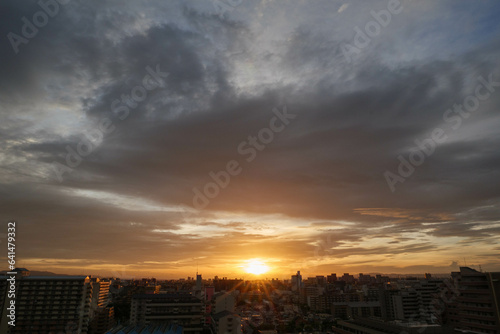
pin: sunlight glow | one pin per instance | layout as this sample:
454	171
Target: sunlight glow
256	267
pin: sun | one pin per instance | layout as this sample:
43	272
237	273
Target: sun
256	267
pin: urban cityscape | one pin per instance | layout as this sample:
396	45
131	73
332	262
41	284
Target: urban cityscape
467	301
249	167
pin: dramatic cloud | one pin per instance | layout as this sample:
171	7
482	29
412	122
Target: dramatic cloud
147	139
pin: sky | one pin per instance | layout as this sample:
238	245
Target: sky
157	138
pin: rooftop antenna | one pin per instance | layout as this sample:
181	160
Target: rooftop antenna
480	269
465	262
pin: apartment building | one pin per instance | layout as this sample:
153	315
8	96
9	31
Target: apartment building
48	304
173	308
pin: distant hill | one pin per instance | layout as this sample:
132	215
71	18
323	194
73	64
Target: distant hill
420	275
37	273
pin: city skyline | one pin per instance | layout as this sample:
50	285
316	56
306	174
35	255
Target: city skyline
343	303
266	276
238	138
248	271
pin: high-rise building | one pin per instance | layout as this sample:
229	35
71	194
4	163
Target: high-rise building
101	313
297	282
48	304
477	306
170	308
198	287
406	305
387	303
198	282
428	291
413	301
224	301
53	304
